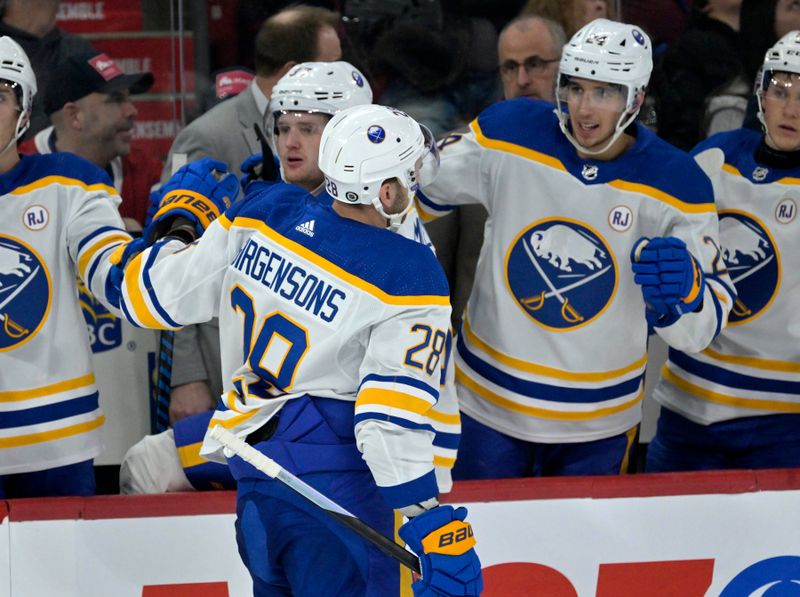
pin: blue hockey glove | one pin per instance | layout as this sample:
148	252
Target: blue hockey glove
194	197
260	166
445	546
671	279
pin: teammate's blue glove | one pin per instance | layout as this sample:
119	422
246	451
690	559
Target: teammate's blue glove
671	279
257	167
194	197
260	166
445	546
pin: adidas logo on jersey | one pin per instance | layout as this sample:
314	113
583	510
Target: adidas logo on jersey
306	228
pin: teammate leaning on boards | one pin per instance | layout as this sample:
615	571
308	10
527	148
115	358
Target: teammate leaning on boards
332	335
550	359
736	404
59	221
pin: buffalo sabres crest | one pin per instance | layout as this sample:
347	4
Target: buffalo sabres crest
752	260
561	273
24	292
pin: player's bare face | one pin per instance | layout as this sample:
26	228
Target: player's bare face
299	134
9	113
594	110
107	122
781	104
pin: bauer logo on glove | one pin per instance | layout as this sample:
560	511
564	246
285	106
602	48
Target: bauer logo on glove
205	210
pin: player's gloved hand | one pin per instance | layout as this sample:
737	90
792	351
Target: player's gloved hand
445	546
194	197
260	166
119	259
671	279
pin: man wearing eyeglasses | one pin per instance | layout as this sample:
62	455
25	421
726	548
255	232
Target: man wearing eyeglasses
528	50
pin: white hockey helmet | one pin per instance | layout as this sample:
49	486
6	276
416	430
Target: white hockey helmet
363	146
317	88
609	52
16	69
784	56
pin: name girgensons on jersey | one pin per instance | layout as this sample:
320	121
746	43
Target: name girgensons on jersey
289	280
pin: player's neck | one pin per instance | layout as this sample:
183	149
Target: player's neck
9	159
622	144
366	214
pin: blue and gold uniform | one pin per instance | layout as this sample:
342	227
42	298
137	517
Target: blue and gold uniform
735	404
59	221
334	339
554	343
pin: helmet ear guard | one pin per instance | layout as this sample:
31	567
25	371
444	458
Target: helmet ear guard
364	146
608	52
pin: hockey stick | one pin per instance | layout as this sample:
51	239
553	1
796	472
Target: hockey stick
275	471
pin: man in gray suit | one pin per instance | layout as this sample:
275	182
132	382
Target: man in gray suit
297	34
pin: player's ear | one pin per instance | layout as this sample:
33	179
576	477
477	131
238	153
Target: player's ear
388	194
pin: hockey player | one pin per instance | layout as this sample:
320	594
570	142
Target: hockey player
333	334
551	356
736	404
303	101
60	221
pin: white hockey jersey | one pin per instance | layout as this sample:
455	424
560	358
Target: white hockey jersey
59	220
554	342
753	366
311	304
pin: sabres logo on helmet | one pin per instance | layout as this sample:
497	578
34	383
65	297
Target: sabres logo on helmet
561	273
753	263
24	292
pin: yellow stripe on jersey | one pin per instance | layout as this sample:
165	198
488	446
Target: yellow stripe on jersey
89	253
444	462
190	455
544	371
543	413
735	172
65	180
335	270
393	399
232	422
440	417
519	150
140	308
643	189
48	436
766	364
727	400
62	386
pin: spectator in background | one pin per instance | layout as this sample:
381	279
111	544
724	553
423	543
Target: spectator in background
225	133
32	24
705	58
529	48
571	14
93	116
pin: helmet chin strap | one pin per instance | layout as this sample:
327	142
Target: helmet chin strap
619	129
21	128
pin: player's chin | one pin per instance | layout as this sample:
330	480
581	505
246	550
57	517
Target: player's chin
787	139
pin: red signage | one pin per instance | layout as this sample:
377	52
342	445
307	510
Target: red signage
96	17
153	53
